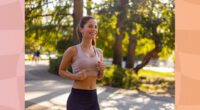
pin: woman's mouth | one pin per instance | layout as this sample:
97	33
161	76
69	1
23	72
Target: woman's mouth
92	33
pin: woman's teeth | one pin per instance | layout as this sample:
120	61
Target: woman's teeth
92	33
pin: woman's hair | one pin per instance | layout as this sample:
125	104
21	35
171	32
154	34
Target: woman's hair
82	22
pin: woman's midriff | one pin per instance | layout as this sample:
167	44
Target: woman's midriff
89	83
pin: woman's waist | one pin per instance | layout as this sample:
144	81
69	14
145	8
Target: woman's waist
89	72
87	80
89	83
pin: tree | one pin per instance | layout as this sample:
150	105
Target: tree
132	21
45	26
117	56
159	26
77	15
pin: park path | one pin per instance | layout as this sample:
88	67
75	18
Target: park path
47	91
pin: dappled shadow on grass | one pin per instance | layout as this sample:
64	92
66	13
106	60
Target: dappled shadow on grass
121	99
158	86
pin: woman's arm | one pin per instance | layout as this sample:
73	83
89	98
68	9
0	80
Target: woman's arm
66	61
101	65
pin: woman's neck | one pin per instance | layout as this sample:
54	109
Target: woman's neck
87	44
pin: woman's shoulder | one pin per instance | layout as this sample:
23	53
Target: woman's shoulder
71	50
100	51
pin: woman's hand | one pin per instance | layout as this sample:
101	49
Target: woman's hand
81	75
100	67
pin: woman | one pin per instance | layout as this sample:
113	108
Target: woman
87	65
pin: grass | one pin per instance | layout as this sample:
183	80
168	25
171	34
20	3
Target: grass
157	82
155	74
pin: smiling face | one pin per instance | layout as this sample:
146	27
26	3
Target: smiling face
89	31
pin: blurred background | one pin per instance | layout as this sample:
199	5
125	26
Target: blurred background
136	36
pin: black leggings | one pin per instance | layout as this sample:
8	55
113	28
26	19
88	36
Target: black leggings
82	100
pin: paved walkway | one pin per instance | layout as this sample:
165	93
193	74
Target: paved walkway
46	91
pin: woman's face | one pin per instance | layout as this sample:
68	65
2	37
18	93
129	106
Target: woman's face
90	29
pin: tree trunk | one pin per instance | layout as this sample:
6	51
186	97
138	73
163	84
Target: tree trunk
77	15
117	57
157	48
131	51
146	59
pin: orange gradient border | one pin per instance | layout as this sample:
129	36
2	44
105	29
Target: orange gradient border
187	55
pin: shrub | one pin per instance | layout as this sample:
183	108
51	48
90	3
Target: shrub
119	77
54	65
108	75
130	80
145	81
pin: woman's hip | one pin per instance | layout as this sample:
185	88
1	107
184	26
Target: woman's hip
80	99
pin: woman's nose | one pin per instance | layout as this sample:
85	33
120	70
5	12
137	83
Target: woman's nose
94	29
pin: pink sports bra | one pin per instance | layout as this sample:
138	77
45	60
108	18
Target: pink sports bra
85	62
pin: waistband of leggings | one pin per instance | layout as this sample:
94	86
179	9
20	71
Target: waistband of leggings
83	90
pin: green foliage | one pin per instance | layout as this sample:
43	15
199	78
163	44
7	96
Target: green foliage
62	45
152	81
118	77
54	65
144	46
142	16
165	53
158	85
125	43
59	22
108	75
107	29
29	57
154	74
131	80
146	80
45	26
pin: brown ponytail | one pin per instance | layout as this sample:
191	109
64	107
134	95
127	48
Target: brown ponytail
79	34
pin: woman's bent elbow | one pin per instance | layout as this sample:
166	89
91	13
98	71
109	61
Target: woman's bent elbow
60	73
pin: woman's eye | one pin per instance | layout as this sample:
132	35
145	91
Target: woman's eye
92	26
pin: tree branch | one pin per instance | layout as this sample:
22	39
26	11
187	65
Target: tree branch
45	15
